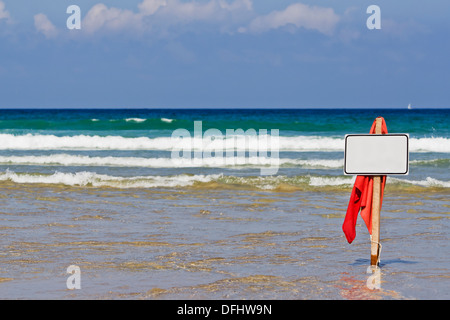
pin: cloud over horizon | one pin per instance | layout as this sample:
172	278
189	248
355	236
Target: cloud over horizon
299	15
3	13
165	16
44	25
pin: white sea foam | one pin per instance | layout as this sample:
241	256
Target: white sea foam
330	181
167	120
88	142
314	163
135	119
342	181
437	144
93	179
432	162
296	143
86	178
428	182
52	142
82	160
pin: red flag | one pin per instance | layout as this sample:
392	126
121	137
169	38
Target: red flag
361	199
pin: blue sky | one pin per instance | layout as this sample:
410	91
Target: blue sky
224	53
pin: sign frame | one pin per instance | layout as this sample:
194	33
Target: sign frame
348	172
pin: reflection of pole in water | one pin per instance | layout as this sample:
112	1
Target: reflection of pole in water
353	288
374	281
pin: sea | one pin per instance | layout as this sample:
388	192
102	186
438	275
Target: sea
215	204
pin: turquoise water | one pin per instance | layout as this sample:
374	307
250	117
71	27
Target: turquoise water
156	122
117	148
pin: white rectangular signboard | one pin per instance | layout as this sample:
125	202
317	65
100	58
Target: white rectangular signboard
376	154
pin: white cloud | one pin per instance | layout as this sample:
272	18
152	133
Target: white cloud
149	7
163	14
3	13
187	11
214	10
237	5
191	11
166	16
102	17
299	15
44	25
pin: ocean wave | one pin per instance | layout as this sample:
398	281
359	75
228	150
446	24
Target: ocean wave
167	120
428	182
431	162
238	142
81	160
437	144
80	142
331	181
63	159
135	119
86	178
274	183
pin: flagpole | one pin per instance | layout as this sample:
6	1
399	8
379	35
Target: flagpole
375	242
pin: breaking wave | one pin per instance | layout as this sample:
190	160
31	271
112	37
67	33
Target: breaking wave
283	143
305	182
82	160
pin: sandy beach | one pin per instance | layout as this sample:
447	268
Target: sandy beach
219	244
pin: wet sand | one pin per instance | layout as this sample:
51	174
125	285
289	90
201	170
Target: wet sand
216	244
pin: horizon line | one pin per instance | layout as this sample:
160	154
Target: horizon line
219	108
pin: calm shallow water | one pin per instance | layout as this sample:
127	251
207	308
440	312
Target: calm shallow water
216	244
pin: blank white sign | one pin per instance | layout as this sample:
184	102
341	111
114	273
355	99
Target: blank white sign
376	154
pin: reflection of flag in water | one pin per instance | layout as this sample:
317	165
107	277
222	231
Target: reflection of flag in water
361	199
